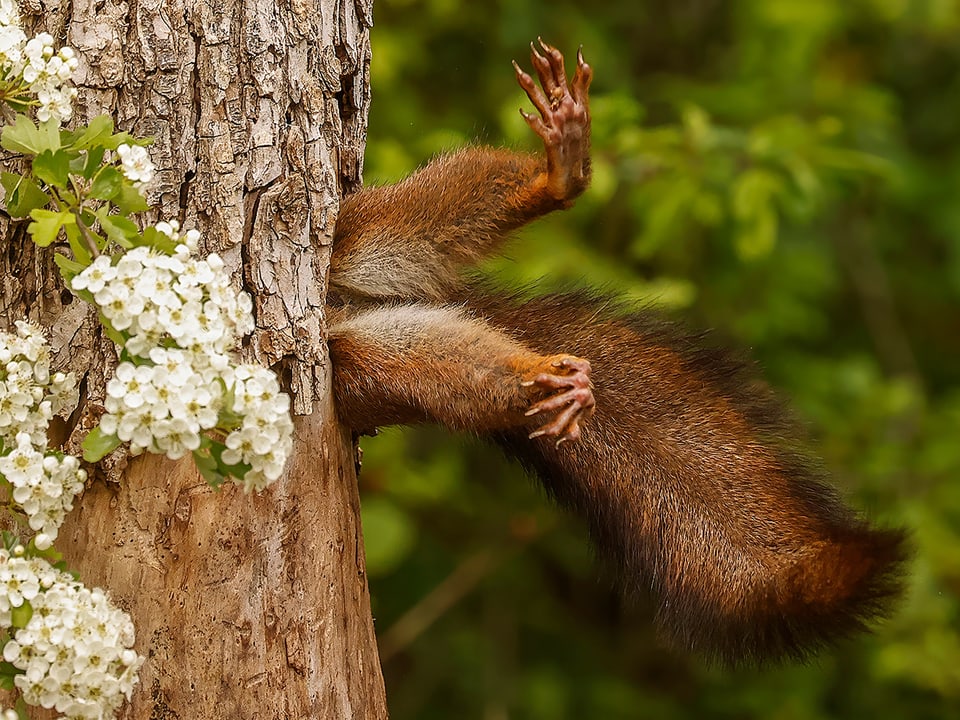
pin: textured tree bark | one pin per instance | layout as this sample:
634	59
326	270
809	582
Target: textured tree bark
245	606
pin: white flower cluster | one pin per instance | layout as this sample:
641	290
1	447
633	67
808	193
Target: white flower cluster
265	436
12	39
29	394
135	164
43	484
44	487
45	72
152	297
75	651
182	321
48	74
9	13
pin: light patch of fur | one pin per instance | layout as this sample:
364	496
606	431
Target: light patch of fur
376	269
401	327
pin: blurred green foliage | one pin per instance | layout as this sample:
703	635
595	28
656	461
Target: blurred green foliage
785	171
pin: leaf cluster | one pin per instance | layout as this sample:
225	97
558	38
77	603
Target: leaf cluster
70	188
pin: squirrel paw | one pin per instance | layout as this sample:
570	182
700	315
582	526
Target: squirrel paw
564	122
574	401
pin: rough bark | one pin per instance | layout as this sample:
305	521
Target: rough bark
245	606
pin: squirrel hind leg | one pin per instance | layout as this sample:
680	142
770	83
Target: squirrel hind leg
416	362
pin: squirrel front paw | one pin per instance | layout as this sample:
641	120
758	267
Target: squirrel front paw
574	401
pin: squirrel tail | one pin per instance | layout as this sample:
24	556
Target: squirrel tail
691	482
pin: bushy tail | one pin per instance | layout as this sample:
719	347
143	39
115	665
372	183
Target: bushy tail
689	477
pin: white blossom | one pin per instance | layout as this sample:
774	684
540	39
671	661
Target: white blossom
182	319
42	484
29	394
135	164
265	436
12	41
47	74
76	649
96	275
161	408
9	13
34	64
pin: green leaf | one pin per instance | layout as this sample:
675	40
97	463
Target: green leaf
69	269
125	138
94	160
121	230
78	245
46	224
207	464
115	335
93	135
130	200
210	463
106	184
151	237
18	104
97	444
23	194
68	199
20	616
23	137
23	712
50	132
8	671
51	554
53	168
68	265
10	540
228	420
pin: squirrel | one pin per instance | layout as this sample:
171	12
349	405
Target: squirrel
683	463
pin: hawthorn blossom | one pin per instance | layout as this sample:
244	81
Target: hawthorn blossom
12	38
76	650
42	484
9	13
181	320
265	436
47	74
35	66
135	164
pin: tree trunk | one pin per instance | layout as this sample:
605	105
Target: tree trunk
245	606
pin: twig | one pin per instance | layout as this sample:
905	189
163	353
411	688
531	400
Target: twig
444	596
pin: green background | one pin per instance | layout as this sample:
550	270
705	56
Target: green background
783	171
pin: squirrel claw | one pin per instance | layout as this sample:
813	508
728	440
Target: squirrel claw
562	119
574	402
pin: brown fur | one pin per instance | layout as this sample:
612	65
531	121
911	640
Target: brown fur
441	218
690	478
689	474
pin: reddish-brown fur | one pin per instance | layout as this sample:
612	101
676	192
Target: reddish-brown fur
689	474
690	479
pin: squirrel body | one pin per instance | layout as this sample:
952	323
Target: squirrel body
679	458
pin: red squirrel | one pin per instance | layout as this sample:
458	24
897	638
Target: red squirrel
681	461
